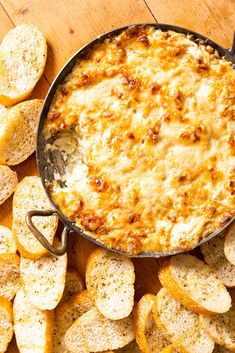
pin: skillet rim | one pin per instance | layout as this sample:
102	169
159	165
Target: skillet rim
63	73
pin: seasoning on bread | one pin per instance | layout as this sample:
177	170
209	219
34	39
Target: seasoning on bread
221	328
92	332
180	325
9	275
110	281
23	53
73	285
147	334
33	327
8	182
6	324
7	243
44	280
214	255
229	245
66	314
18	130
30	195
130	348
193	283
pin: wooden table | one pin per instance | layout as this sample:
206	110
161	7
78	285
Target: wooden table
69	24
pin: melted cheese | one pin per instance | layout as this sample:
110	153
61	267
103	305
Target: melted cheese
151	164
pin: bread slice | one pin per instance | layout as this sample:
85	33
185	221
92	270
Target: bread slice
130	348
44	280
23	53
92	332
8	182
214	255
169	349
9	275
3	111
110	281
180	325
147	334
18	129
73	285
192	282
6	324
33	327
229	244
7	243
66	314
30	195
221	328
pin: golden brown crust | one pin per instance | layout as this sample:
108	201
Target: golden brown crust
141	315
169	282
155	149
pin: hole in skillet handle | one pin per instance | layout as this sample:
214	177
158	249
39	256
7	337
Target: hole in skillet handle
59	251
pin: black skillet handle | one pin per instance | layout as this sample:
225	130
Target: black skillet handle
59	251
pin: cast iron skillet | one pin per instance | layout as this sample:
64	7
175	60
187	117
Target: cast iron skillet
49	162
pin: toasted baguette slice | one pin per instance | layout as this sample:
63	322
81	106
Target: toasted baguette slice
33	327
221	328
180	325
44	280
6	324
8	182
192	282
18	130
130	348
110	281
23	53
30	195
213	252
147	334
229	244
3	111
169	349
73	285
7	243
66	314
92	332
9	275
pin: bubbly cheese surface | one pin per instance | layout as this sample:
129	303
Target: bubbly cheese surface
145	123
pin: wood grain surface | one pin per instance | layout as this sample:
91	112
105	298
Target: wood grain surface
69	24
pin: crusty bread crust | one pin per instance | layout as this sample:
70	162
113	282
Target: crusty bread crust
73	285
24	44
229	244
9	275
6	318
25	316
180	343
110	281
141	314
44	280
221	328
18	132
8	182
30	190
7	243
178	291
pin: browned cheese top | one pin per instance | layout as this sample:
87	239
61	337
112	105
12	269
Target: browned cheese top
147	120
